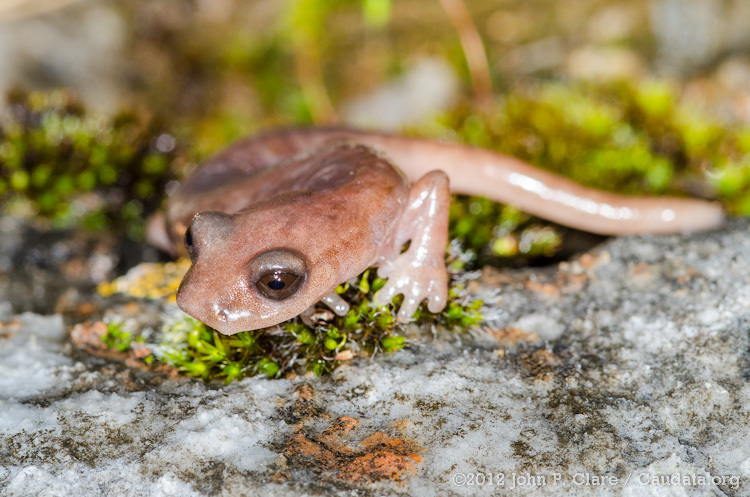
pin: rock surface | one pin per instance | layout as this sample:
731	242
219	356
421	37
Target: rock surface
623	372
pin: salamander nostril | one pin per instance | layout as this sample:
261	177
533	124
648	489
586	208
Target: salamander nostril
189	246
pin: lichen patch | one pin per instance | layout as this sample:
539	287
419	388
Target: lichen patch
379	456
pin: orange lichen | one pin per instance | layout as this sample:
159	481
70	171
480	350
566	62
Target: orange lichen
546	289
382	457
9	328
512	336
149	280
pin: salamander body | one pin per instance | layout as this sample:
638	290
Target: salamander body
275	222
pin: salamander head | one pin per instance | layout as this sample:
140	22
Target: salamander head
244	276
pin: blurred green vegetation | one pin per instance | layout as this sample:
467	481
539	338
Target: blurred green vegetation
630	137
291	68
72	169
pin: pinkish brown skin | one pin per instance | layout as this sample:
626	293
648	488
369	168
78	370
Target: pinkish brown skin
316	207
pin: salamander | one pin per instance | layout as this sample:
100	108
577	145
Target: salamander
274	223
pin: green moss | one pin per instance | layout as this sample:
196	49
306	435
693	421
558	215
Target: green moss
72	168
500	231
293	346
377	13
116	337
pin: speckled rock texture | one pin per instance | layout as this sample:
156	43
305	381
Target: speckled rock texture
623	372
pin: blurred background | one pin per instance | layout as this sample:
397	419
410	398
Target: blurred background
261	61
107	104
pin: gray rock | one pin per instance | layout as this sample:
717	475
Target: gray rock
692	33
635	384
427	88
72	44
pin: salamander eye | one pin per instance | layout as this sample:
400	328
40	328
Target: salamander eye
278	285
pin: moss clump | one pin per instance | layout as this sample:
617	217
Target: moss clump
501	231
73	168
116	337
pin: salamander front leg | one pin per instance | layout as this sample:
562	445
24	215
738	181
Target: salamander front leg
419	272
